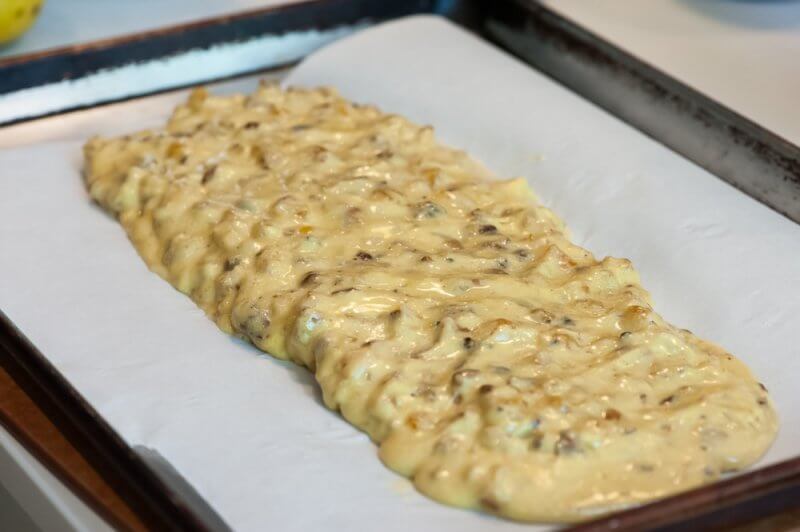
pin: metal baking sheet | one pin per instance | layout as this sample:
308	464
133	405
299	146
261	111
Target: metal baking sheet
427	90
85	74
739	151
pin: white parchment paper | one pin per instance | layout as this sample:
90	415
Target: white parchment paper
249	432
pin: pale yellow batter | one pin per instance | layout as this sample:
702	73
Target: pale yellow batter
443	312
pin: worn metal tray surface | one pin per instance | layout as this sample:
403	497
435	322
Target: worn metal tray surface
81	75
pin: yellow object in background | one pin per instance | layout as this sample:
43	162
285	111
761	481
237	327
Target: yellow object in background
16	16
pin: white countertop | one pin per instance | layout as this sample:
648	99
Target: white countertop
68	22
32	498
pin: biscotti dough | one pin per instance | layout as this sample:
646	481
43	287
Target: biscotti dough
443	312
